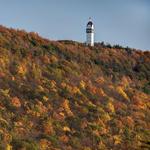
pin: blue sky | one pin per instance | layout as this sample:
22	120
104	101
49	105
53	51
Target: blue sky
124	22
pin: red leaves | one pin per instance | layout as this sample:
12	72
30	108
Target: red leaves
16	102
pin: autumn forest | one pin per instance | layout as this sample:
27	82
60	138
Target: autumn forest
63	95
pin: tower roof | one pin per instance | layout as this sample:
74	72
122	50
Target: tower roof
90	23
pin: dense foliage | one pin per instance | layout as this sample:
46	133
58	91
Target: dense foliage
63	95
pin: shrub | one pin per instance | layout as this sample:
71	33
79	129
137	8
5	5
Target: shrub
18	144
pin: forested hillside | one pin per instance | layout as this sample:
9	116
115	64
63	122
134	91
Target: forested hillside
63	95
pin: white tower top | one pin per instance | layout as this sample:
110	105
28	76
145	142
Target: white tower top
90	33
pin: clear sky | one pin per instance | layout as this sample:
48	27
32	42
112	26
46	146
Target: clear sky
124	22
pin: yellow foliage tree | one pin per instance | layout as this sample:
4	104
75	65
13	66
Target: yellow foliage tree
22	69
5	92
67	107
106	117
53	84
40	88
82	84
122	93
101	92
76	90
110	107
8	147
44	144
45	98
65	128
53	59
117	139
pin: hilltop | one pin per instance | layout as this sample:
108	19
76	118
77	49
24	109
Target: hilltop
63	95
